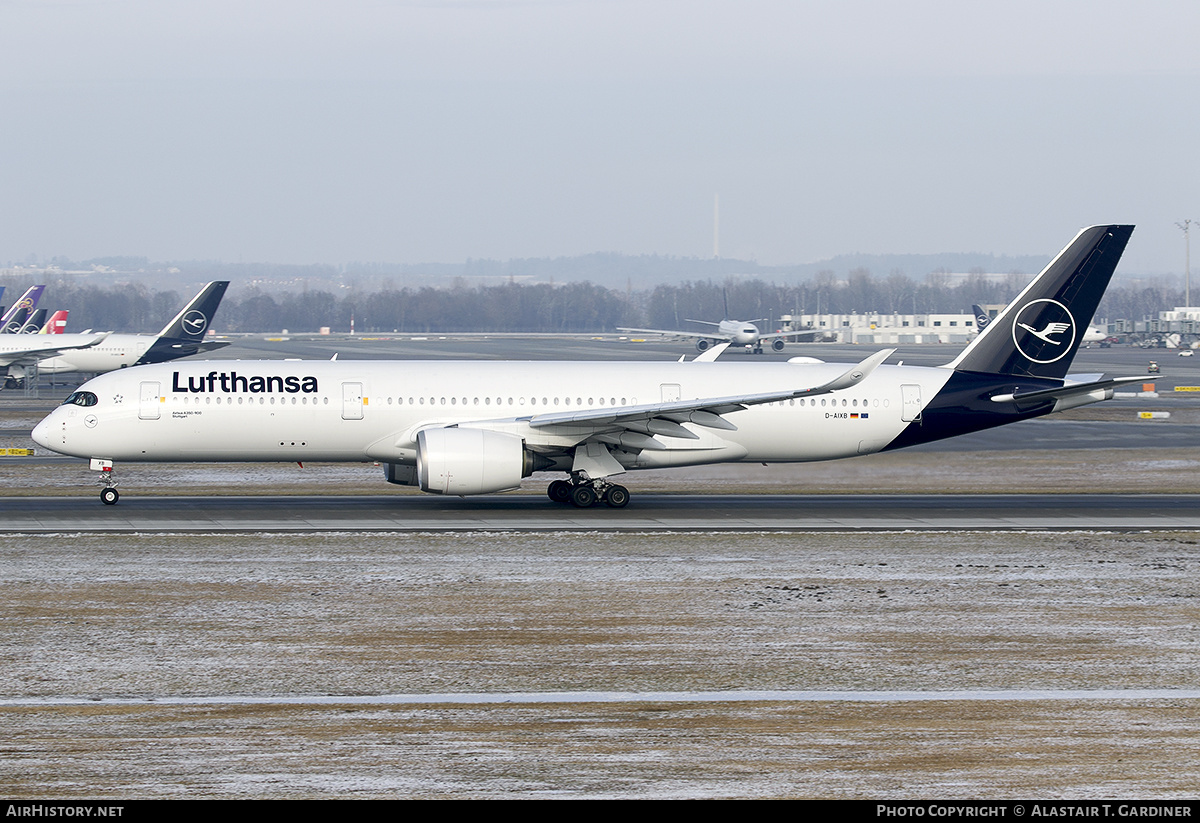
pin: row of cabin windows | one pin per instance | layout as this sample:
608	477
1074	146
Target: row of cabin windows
919	323
454	401
519	401
303	400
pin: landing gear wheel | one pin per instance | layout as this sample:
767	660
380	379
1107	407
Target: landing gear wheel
109	497
583	496
617	497
559	491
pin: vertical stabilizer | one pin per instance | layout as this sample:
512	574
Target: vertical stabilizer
57	323
1039	332
184	335
27	302
194	319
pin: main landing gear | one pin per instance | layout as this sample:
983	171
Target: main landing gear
584	494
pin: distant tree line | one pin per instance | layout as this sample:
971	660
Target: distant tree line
571	307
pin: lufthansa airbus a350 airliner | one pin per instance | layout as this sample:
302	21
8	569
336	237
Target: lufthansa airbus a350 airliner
478	427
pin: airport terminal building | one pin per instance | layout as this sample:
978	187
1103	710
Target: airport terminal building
876	328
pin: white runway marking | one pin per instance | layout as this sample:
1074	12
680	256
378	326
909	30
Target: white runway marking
482	698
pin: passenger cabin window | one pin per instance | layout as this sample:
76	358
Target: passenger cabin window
81	398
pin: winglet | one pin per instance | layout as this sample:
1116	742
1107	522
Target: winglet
853	376
711	354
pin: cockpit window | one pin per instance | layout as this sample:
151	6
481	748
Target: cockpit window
81	398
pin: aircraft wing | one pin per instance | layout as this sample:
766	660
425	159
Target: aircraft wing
37	352
644	421
676	333
797	333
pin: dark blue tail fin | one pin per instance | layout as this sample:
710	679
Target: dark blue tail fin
184	335
982	318
1039	332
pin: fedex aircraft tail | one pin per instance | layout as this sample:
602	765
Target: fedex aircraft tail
1039	332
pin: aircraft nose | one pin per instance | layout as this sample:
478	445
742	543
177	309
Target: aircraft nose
41	433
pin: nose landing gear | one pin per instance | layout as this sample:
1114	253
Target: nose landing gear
109	494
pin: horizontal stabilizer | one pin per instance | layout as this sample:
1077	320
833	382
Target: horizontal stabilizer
213	345
1069	390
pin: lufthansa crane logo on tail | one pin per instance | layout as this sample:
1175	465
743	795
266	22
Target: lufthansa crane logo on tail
1043	331
194	322
1044	334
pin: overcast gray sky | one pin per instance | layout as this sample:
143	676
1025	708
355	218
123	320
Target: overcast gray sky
293	131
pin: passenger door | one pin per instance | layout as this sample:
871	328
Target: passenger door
910	403
148	401
352	401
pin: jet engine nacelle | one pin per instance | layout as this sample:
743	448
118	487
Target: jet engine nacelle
471	461
777	344
702	344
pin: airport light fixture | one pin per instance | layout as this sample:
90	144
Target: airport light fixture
1186	225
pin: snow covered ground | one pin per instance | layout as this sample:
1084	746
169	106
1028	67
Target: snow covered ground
289	649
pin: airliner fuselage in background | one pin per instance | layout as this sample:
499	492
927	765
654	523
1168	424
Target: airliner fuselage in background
98	353
479	427
741	333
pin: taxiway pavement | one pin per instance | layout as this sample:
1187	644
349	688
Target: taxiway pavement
712	512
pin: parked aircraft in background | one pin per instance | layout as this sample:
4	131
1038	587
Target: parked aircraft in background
13	319
34	323
982	318
479	427
98	353
1092	334
57	324
732	332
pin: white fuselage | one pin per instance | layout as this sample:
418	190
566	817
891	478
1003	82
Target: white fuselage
117	351
356	411
739	332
